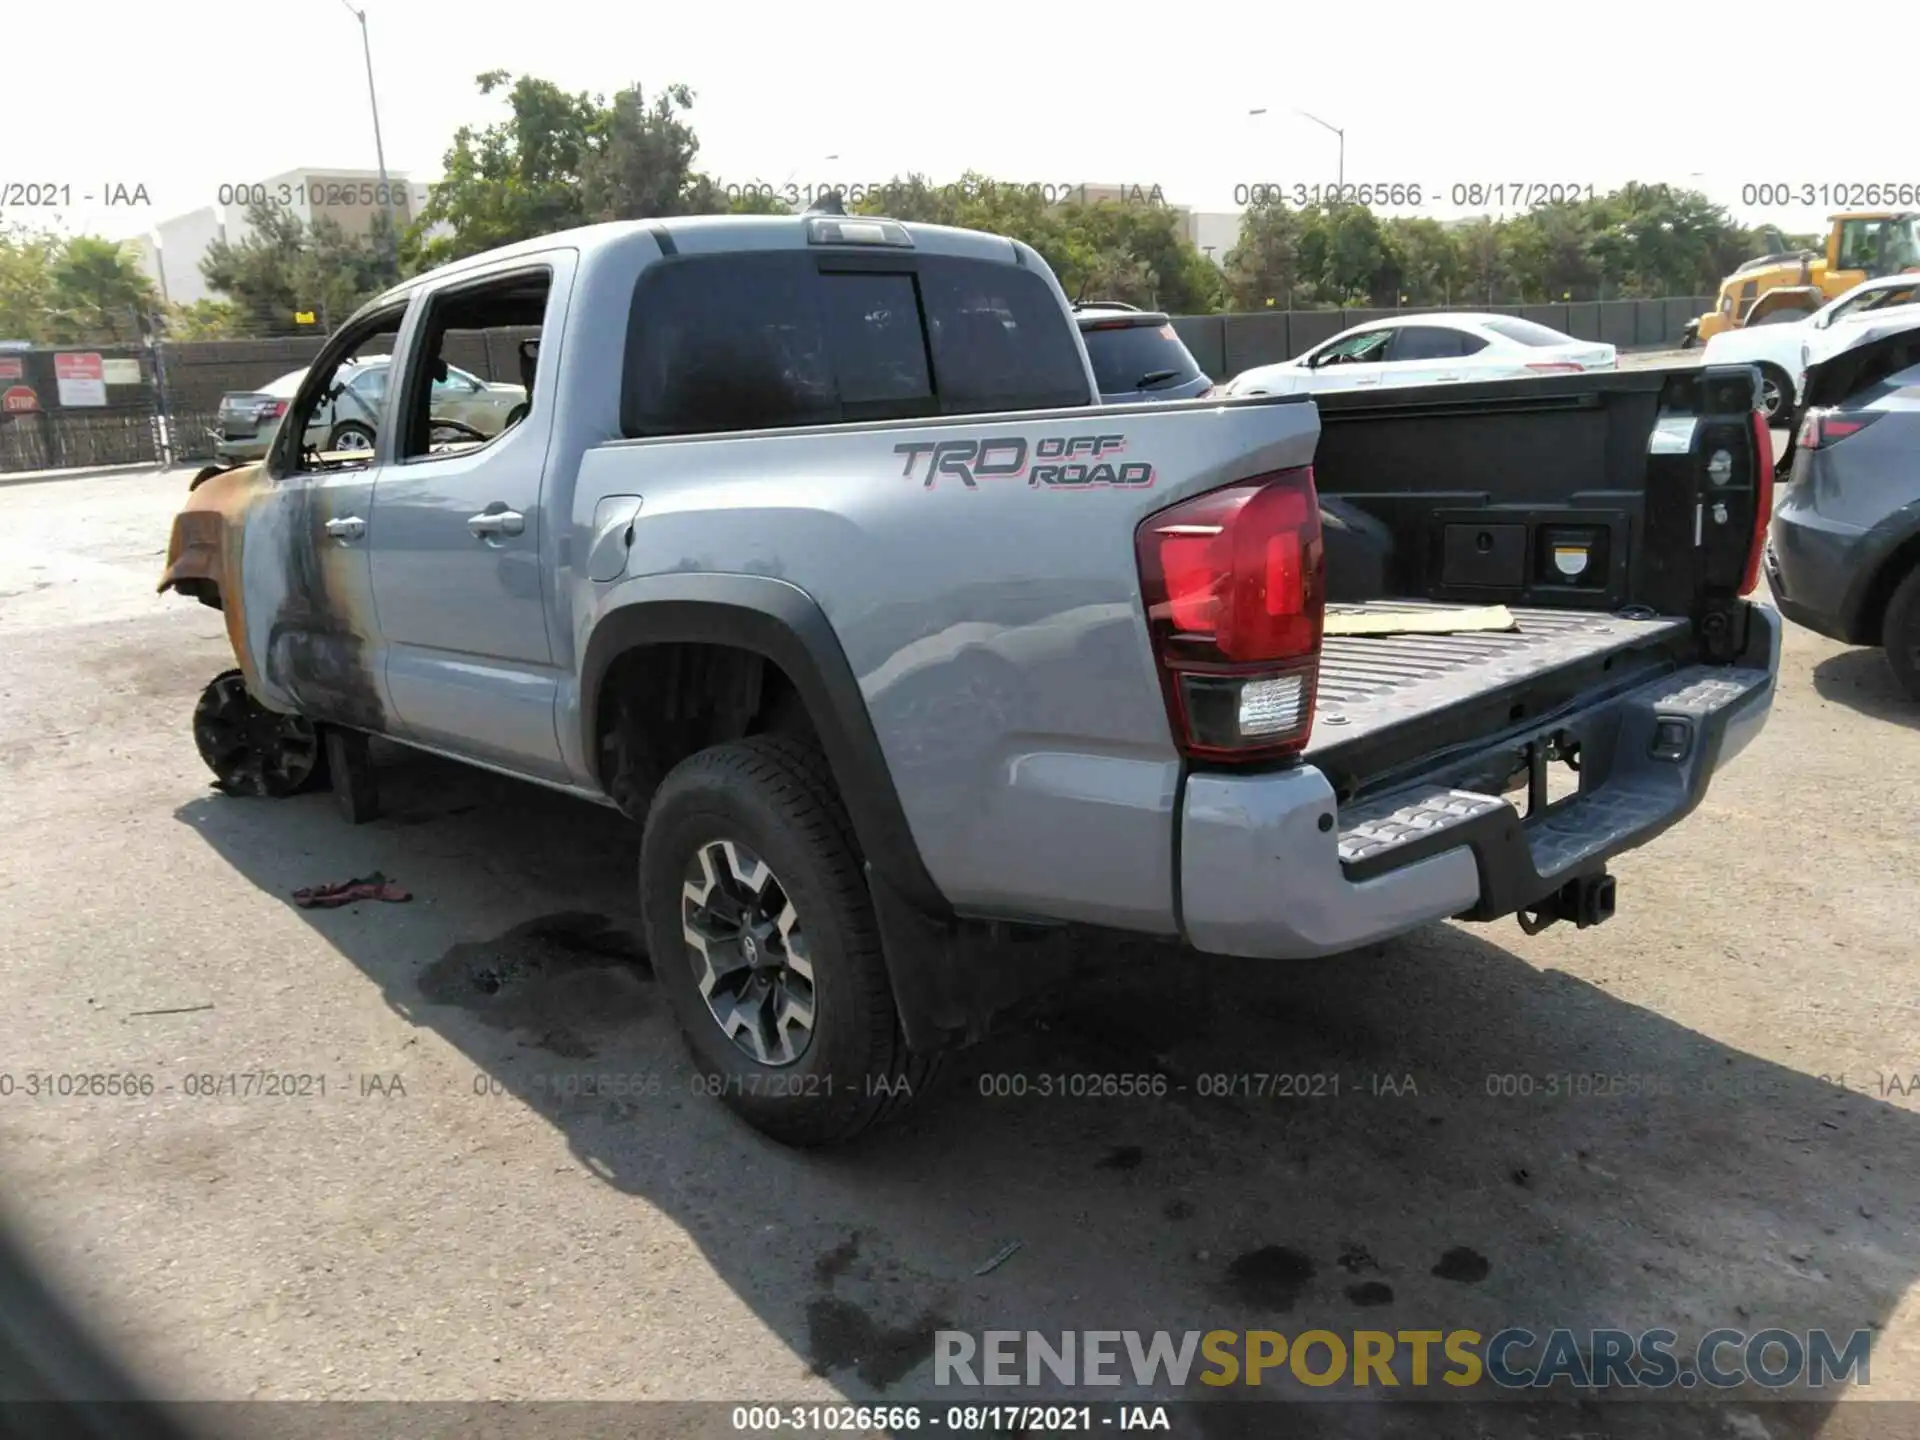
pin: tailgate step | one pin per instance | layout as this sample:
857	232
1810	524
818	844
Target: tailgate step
1654	777
1369	833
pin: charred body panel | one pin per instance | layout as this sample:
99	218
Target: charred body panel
319	645
297	607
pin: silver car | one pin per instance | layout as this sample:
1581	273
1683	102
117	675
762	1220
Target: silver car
248	420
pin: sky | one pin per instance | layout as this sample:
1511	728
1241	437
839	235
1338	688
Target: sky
181	98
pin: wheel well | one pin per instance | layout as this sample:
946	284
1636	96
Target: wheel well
660	703
1873	606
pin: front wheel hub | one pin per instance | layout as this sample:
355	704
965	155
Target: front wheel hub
749	952
250	749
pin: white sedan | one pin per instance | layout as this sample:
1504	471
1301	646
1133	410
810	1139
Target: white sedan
1427	350
1781	349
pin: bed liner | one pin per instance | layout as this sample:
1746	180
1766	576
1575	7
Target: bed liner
1372	685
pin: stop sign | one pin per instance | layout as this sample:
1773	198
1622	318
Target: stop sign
19	398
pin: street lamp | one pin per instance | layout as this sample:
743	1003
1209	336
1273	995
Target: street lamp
373	99
1340	179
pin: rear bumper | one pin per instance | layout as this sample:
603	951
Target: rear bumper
1270	866
1814	567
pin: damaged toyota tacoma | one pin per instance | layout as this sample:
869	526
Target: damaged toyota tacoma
815	554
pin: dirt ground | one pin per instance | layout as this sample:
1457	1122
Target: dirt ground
447	1221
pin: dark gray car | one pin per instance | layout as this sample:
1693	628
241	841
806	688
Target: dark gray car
1138	355
1843	553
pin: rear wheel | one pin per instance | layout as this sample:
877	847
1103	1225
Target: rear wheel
352	438
1900	634
762	934
1776	395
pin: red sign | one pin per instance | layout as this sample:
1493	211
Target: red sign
19	400
79	367
10	368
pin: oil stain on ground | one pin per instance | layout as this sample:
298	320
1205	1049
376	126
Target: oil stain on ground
564	978
1270	1277
830	1265
1469	1267
841	1336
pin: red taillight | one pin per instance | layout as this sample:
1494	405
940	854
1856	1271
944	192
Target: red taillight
1822	428
1234	587
271	409
1762	501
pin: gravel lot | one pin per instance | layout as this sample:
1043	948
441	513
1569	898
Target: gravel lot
446	1223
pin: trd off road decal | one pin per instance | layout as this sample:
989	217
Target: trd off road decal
1059	462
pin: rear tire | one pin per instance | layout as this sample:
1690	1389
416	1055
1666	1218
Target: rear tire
762	933
1777	388
1900	634
352	438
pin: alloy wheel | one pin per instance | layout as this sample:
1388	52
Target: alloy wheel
750	955
250	749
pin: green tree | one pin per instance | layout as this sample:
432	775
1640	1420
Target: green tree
1136	253
62	290
640	162
1262	270
284	268
202	320
563	159
1550	252
27	258
1427	256
516	178
100	293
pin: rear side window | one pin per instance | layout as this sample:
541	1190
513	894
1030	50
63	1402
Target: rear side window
1000	339
1123	357
1525	331
761	341
1432	342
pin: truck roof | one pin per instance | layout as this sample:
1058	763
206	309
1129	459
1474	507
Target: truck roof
717	234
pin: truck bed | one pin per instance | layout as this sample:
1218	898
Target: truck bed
1383	699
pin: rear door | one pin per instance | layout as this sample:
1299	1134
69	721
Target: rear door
456	537
1425	354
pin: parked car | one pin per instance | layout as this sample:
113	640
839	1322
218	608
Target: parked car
248	420
1138	355
1782	349
1424	350
1843	552
782	564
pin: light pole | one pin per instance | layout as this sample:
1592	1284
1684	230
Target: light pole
373	100
1340	178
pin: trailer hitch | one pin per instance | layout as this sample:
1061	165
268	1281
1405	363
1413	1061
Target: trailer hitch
1585	901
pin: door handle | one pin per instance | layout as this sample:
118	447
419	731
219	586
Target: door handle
348	527
497	522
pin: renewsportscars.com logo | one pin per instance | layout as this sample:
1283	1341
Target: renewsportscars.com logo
1510	1359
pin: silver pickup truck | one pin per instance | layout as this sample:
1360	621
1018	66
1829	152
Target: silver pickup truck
815	554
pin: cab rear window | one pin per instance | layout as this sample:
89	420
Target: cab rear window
765	340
